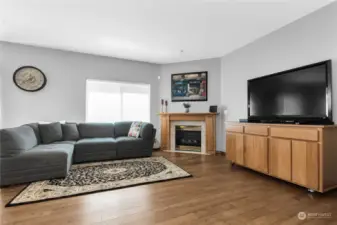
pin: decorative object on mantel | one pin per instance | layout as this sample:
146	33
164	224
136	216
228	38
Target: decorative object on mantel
213	109
187	107
189	87
162	105
166	104
29	78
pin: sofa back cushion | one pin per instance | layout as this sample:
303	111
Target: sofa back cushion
70	132
96	130
35	127
13	141
50	132
122	129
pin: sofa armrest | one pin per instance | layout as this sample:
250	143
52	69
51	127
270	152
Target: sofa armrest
147	131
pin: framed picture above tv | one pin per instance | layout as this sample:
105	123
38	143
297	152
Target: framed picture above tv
189	87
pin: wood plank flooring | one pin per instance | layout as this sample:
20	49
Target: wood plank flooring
217	194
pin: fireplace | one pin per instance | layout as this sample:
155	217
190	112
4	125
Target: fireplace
188	138
205	123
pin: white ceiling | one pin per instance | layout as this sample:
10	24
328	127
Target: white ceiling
148	30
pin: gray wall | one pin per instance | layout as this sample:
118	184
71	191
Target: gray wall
213	67
64	96
308	40
1	86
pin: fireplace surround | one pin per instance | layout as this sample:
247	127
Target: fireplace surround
188	126
206	123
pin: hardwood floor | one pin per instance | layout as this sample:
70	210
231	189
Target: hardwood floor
217	194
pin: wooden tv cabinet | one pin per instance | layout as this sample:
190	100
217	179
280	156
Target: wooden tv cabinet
305	155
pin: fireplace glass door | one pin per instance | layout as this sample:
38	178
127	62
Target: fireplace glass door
188	138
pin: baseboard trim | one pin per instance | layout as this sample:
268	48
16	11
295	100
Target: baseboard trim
220	153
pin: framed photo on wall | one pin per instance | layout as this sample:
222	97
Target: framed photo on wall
189	87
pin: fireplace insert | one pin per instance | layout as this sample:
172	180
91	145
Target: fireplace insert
188	138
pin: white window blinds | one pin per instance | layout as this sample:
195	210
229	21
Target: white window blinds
109	101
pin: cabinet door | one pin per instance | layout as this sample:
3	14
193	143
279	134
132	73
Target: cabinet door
305	159
234	147
256	152
280	158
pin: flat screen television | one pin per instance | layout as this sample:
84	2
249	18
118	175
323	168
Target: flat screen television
302	95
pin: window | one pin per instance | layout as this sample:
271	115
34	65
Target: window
109	101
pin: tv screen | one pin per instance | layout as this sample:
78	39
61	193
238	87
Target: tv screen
298	94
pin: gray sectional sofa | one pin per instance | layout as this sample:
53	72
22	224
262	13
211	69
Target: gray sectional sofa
35	152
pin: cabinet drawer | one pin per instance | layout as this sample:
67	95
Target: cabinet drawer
258	130
295	133
234	128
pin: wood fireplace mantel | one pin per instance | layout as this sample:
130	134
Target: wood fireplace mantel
208	118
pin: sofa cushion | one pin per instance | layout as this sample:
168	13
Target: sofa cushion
70	132
35	127
94	141
16	140
50	132
122	129
96	130
59	146
128	147
39	163
95	149
131	143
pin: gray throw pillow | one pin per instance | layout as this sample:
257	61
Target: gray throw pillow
70	132
50	132
35	127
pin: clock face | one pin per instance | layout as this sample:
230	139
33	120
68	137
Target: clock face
29	78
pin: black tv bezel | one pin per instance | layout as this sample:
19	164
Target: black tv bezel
296	119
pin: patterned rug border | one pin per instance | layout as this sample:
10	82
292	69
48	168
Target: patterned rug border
98	191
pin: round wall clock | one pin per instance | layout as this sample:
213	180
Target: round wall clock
29	78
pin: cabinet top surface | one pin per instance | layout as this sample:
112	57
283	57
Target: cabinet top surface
280	125
190	114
